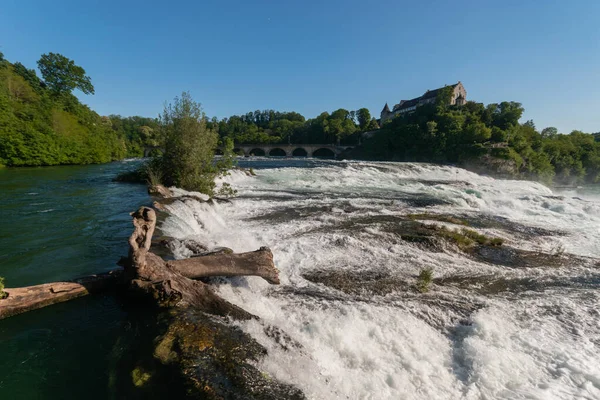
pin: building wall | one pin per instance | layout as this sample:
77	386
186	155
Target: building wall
459	90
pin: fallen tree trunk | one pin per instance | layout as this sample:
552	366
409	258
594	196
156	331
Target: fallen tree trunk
257	263
167	284
30	298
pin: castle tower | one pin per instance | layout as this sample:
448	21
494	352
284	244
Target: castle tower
385	113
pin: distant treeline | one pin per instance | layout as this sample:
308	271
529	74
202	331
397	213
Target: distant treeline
269	126
486	138
43	123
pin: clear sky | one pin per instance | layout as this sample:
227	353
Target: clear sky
313	56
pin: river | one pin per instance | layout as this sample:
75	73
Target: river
356	327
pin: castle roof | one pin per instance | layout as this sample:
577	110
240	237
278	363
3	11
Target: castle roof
407	103
386	108
433	93
427	95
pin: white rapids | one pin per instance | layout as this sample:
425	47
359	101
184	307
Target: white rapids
450	343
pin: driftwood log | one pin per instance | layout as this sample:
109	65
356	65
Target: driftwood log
166	283
30	298
170	284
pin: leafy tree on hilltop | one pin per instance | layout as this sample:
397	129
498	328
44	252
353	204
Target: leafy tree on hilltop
364	118
62	75
549	132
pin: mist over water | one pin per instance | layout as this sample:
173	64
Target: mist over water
537	337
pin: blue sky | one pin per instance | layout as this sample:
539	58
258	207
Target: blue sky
313	56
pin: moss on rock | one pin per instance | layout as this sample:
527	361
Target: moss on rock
217	360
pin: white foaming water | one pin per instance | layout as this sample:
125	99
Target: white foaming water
449	343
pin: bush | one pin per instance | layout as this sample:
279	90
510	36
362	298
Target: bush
424	279
3	294
189	149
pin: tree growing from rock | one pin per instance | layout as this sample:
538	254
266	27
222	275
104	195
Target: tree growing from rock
188	159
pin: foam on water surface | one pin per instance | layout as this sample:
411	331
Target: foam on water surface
449	343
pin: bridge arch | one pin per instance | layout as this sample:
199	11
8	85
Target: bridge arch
258	152
323	152
300	152
239	151
277	152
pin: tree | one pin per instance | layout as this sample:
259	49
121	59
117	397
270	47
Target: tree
372	125
30	76
506	114
549	132
364	117
189	146
62	75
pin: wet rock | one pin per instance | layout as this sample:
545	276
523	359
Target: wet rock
490	284
217	360
281	338
517	258
515	228
370	282
435	236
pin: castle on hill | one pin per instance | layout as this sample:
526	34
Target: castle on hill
459	97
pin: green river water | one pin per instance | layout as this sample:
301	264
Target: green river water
59	223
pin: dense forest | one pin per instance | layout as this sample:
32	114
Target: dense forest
269	126
43	123
488	138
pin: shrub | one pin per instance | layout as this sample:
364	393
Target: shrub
154	175
3	294
189	149
424	279
465	238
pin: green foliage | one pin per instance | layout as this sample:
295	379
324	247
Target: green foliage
189	148
138	133
269	127
364	118
62	75
140	377
465	238
3	294
424	279
490	136
37	128
153	173
443	97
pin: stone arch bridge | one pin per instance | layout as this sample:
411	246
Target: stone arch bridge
282	150
291	150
